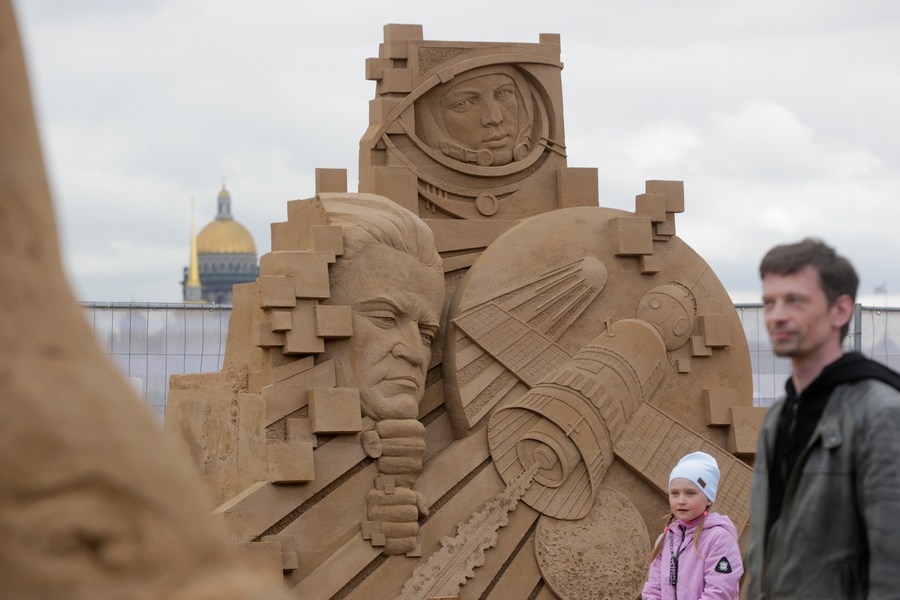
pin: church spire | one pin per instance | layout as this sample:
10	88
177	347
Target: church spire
192	282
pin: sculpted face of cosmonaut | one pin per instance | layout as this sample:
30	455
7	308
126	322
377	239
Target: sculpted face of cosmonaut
483	114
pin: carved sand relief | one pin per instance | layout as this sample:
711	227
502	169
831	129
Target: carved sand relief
600	556
469	131
438	379
569	406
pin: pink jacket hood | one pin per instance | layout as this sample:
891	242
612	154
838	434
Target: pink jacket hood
712	574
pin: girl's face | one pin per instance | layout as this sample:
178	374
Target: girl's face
686	500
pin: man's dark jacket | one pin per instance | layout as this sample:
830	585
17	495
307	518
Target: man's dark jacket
835	529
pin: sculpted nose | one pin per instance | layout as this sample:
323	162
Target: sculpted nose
408	346
492	114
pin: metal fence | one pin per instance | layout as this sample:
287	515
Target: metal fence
150	342
874	331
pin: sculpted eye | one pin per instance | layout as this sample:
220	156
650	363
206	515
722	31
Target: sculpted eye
503	93
383	319
462	105
427	337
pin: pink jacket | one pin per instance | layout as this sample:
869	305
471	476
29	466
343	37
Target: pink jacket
714	574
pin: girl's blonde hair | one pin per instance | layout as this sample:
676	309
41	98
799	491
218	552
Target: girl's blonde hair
657	548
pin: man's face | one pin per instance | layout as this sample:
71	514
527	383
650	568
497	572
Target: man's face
800	322
397	305
483	114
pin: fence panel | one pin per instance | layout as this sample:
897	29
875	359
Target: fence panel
150	342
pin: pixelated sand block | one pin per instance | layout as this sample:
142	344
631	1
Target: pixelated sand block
666	229
376	67
289	551
673	191
291	463
717	403
396	81
302	338
397	38
276	291
309	271
371	530
335	410
631	236
699	347
577	187
716	330
265	337
295	233
280	320
745	424
333	321
650	264
652	206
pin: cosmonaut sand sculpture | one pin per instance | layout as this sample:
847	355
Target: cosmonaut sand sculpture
468	379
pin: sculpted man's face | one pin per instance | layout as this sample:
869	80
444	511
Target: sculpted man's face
397	305
483	114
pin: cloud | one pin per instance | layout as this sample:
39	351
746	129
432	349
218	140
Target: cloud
780	118
658	146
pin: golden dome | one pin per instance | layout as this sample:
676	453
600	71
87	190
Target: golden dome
225	236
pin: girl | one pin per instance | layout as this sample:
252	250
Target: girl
697	556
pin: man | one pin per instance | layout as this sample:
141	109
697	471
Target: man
391	276
825	516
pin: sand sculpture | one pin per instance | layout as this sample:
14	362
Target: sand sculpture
504	430
94	501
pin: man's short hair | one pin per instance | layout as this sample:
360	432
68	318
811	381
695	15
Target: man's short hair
836	275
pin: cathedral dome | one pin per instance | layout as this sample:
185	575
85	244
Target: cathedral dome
223	255
225	235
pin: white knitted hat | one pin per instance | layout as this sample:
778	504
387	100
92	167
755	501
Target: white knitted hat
701	469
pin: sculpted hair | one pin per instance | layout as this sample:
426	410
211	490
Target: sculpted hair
367	219
836	275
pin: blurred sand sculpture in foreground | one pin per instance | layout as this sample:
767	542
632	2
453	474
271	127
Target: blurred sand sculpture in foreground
94	501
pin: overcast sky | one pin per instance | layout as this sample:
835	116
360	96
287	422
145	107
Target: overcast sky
782	117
